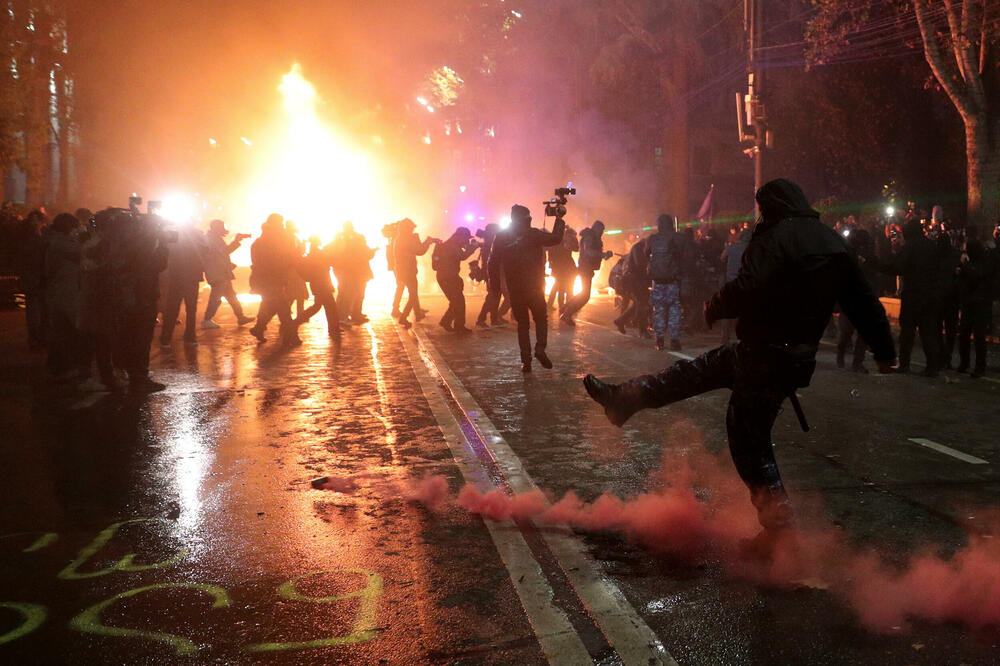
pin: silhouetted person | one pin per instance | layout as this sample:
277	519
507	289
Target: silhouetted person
919	264
219	273
67	359
863	250
351	256
732	255
948	303
407	248
140	257
30	259
563	268
99	303
272	257
447	261
184	276
665	269
591	255
491	304
315	269
793	272
977	275
295	288
637	283
519	256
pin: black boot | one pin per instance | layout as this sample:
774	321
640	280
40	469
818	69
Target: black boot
543	359
620	401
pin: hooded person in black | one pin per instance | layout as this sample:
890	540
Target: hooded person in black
793	271
518	256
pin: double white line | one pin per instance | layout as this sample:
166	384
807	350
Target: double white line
577	614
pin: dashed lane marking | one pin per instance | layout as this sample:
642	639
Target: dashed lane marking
948	451
628	635
675	354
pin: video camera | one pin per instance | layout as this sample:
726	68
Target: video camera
556	206
389	230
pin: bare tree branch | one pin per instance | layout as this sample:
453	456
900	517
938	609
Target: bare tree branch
949	80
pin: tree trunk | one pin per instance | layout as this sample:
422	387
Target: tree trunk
983	172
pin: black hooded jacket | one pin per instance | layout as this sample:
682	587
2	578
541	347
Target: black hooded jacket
793	272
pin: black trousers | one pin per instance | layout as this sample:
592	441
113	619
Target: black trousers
409	282
919	311
754	404
525	303
219	291
576	303
562	289
637	312
177	292
452	286
846	332
135	334
976	318
273	302
323	298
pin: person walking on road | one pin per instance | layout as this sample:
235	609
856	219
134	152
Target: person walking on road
219	273
407	247
665	252
184	276
795	269
591	255
447	263
519	256
272	257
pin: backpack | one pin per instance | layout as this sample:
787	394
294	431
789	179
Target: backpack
390	254
436	258
618	277
664	262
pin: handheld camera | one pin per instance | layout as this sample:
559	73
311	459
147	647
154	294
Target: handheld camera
556	206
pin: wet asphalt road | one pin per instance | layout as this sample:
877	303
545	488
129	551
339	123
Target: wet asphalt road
182	528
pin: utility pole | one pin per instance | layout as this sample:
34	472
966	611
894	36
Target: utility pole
749	108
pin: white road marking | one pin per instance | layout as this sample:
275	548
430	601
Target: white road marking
625	631
948	451
553	629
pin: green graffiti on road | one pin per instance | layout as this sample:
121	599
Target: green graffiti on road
33	614
125	564
364	628
89	621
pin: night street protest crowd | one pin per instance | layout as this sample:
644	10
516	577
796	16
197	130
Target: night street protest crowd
97	286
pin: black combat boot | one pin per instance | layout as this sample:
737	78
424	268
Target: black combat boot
620	401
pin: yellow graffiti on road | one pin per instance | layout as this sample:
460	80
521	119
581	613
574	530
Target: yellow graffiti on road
364	628
34	615
70	572
89	621
47	539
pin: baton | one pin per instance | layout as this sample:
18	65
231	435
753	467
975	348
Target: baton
798	411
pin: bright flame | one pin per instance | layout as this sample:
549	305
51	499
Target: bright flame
317	179
178	208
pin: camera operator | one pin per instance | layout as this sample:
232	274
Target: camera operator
406	249
519	256
563	268
491	305
139	258
219	273
591	255
447	263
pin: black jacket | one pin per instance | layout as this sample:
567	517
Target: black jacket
920	263
795	269
520	258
